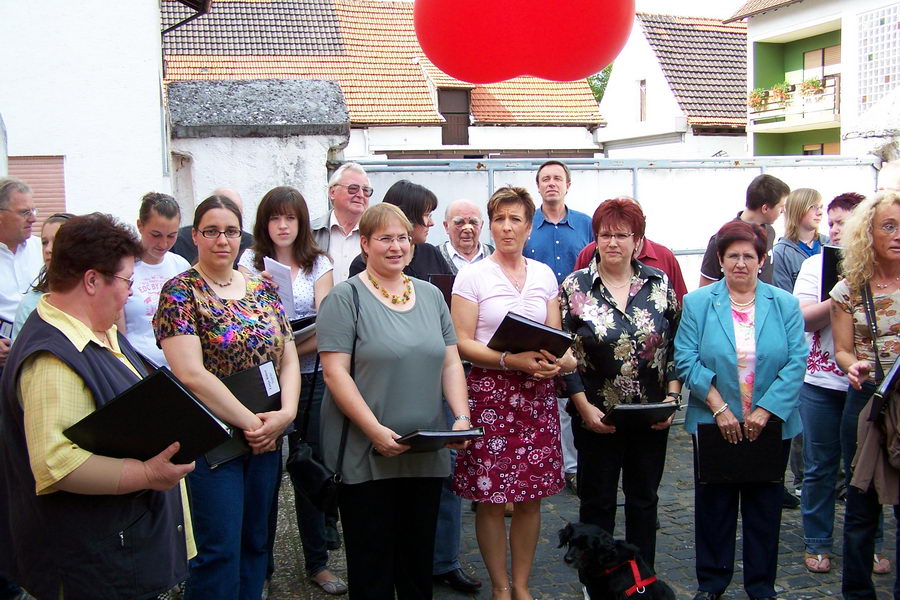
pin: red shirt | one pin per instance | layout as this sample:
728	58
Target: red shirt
652	255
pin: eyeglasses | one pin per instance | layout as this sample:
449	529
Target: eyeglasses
889	228
390	239
745	258
353	189
28	212
605	238
460	221
212	234
130	282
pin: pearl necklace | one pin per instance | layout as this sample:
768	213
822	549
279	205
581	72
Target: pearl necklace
211	280
737	304
884	286
394	298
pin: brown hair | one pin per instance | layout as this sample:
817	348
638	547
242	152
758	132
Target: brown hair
284	200
511	195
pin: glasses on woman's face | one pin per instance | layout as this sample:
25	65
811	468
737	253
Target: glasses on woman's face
212	233
737	257
389	240
606	238
816	208
889	229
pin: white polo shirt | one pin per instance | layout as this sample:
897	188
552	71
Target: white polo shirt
17	272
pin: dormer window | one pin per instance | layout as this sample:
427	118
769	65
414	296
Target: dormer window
454	107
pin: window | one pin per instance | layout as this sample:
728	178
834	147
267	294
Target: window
643	100
454	107
829	148
821	62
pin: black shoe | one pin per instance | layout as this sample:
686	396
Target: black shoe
789	500
706	596
332	536
459	581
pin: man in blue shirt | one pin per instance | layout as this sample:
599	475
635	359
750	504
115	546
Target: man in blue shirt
558	233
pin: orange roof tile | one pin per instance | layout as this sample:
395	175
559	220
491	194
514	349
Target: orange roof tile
373	55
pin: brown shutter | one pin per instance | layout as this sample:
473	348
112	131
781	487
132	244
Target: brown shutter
46	176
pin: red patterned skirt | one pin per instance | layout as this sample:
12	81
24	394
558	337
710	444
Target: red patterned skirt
519	458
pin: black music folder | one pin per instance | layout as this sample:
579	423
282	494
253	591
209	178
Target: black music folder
431	440
720	461
444	283
831	261
641	414
521	334
146	418
256	388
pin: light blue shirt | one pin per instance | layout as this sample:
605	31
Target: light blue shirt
557	244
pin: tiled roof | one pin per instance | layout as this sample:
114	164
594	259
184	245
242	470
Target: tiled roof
755	7
705	63
369	47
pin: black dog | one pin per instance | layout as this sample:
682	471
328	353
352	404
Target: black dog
610	569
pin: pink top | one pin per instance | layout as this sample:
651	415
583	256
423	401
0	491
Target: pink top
485	284
745	343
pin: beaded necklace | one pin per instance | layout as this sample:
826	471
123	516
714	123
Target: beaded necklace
394	298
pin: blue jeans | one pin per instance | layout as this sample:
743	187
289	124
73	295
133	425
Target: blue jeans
230	506
863	513
449	519
820	410
310	520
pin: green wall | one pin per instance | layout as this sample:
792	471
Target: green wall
774	63
768	63
791	144
793	53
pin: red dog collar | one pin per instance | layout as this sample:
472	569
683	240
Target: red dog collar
640	584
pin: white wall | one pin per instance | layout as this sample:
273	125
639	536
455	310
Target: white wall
687	145
82	80
372	142
253	166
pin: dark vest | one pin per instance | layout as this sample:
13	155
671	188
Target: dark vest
95	547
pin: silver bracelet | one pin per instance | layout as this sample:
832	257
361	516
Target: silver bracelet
503	361
720	410
463	418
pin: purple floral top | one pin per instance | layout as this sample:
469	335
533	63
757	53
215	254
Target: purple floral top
623	357
234	334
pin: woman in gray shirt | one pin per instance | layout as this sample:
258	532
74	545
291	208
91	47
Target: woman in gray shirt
405	357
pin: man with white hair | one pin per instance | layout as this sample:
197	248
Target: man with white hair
184	245
337	232
463	223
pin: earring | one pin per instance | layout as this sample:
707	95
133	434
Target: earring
722	269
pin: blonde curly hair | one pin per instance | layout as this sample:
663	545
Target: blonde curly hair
859	239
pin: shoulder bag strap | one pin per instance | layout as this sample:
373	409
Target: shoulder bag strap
873	329
340	463
304	419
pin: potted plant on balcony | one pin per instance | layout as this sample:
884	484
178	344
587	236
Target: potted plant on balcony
781	92
758	98
811	87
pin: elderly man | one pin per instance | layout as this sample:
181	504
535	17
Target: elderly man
463	223
20	252
184	245
338	231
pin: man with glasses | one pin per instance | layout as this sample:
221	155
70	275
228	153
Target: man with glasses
338	231
463	223
20	253
184	245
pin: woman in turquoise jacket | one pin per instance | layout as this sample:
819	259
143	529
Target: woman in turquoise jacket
741	351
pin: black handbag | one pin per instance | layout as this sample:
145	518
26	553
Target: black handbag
309	475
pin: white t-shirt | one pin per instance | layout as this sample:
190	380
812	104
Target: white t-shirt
821	370
141	305
304	287
17	272
485	284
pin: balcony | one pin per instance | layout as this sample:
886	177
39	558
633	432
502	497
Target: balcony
798	109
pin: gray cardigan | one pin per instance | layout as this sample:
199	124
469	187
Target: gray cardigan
786	260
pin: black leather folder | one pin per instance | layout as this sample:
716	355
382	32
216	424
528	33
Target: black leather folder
639	415
520	334
431	440
251	389
831	262
720	461
146	418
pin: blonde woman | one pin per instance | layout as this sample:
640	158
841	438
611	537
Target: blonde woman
802	216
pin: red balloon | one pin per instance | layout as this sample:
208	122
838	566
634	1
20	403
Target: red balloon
483	41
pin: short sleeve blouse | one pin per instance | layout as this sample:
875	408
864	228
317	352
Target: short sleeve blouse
234	334
304	288
485	284
887	317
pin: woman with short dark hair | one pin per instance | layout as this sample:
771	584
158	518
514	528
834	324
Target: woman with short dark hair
741	352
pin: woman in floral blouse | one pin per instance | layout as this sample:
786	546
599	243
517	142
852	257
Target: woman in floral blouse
624	316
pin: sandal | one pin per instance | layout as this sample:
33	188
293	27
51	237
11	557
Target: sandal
332	587
881	566
817	563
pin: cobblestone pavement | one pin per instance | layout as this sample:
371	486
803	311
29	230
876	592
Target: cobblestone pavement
551	579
